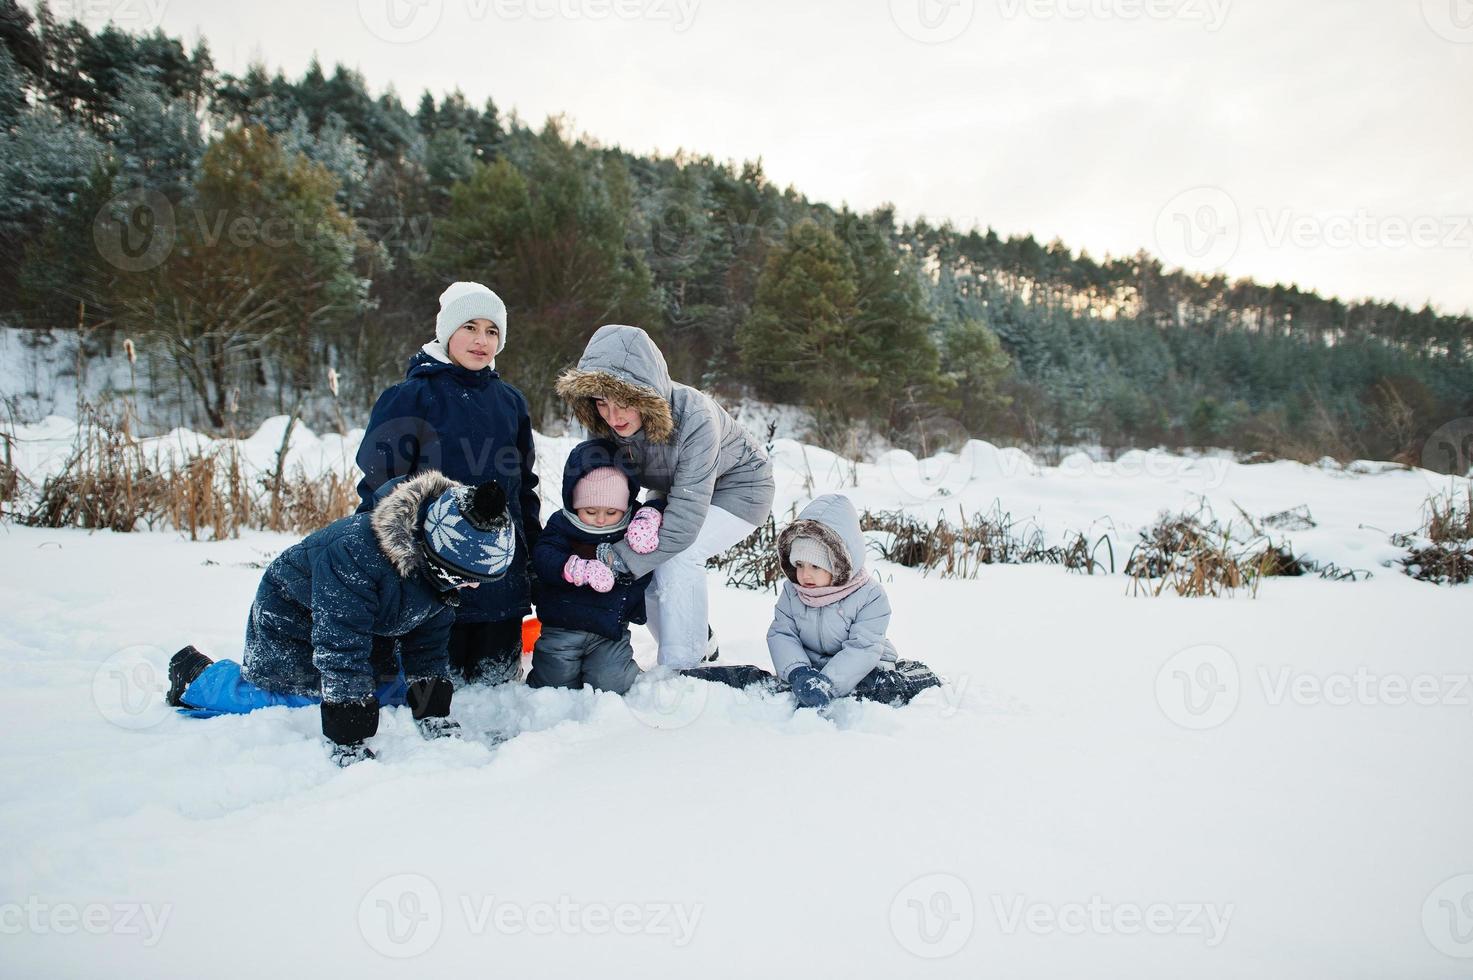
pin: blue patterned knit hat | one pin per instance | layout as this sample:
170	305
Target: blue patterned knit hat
469	533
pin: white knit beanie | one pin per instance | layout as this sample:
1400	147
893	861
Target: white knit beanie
463	301
813	551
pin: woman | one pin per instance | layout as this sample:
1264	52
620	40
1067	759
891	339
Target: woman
716	479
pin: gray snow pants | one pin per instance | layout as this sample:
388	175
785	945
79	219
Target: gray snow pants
573	658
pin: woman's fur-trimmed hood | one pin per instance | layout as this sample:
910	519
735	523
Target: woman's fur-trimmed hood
621	363
832	520
397	520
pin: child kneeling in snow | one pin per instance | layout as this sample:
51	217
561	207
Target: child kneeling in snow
827	638
394	572
584	606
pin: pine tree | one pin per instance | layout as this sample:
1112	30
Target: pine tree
797	344
12	92
892	344
156	139
44	162
978	367
18	37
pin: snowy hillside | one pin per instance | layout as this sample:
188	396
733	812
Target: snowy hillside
1109	785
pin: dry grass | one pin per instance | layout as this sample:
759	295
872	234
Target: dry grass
1190	553
1441	550
1196	555
110	482
950	550
753	563
1449	520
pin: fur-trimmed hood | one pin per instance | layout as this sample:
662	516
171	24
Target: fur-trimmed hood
832	520
623	364
398	517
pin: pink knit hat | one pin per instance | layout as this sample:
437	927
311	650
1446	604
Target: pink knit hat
606	486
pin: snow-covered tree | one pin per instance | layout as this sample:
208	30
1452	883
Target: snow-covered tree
156	138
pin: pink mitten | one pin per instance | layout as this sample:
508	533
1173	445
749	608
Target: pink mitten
643	534
586	571
600	576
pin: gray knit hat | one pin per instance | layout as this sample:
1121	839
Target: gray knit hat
463	301
813	551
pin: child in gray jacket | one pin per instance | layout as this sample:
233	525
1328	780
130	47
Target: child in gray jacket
827	639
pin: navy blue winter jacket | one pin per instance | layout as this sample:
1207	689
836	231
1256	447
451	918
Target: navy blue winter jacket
323	600
579	607
472	427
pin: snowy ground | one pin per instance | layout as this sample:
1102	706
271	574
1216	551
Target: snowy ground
1109	786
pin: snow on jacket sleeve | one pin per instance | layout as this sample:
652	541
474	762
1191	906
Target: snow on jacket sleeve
864	648
393	443
424	650
344	601
783	644
691	487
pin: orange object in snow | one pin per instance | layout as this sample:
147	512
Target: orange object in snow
531	629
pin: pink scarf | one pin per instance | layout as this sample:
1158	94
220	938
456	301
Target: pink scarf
819	596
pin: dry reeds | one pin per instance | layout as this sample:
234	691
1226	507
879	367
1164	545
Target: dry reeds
753	563
1442	550
110	482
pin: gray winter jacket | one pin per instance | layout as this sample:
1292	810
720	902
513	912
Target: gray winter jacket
688	449
846	639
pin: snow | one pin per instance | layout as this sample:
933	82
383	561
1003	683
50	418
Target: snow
1108	786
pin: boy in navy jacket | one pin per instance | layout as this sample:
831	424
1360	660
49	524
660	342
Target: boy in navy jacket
396	574
585	608
454	414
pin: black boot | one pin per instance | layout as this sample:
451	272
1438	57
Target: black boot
735	675
184	667
713	649
429	700
346	725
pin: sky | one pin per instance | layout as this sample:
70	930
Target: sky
1327	143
